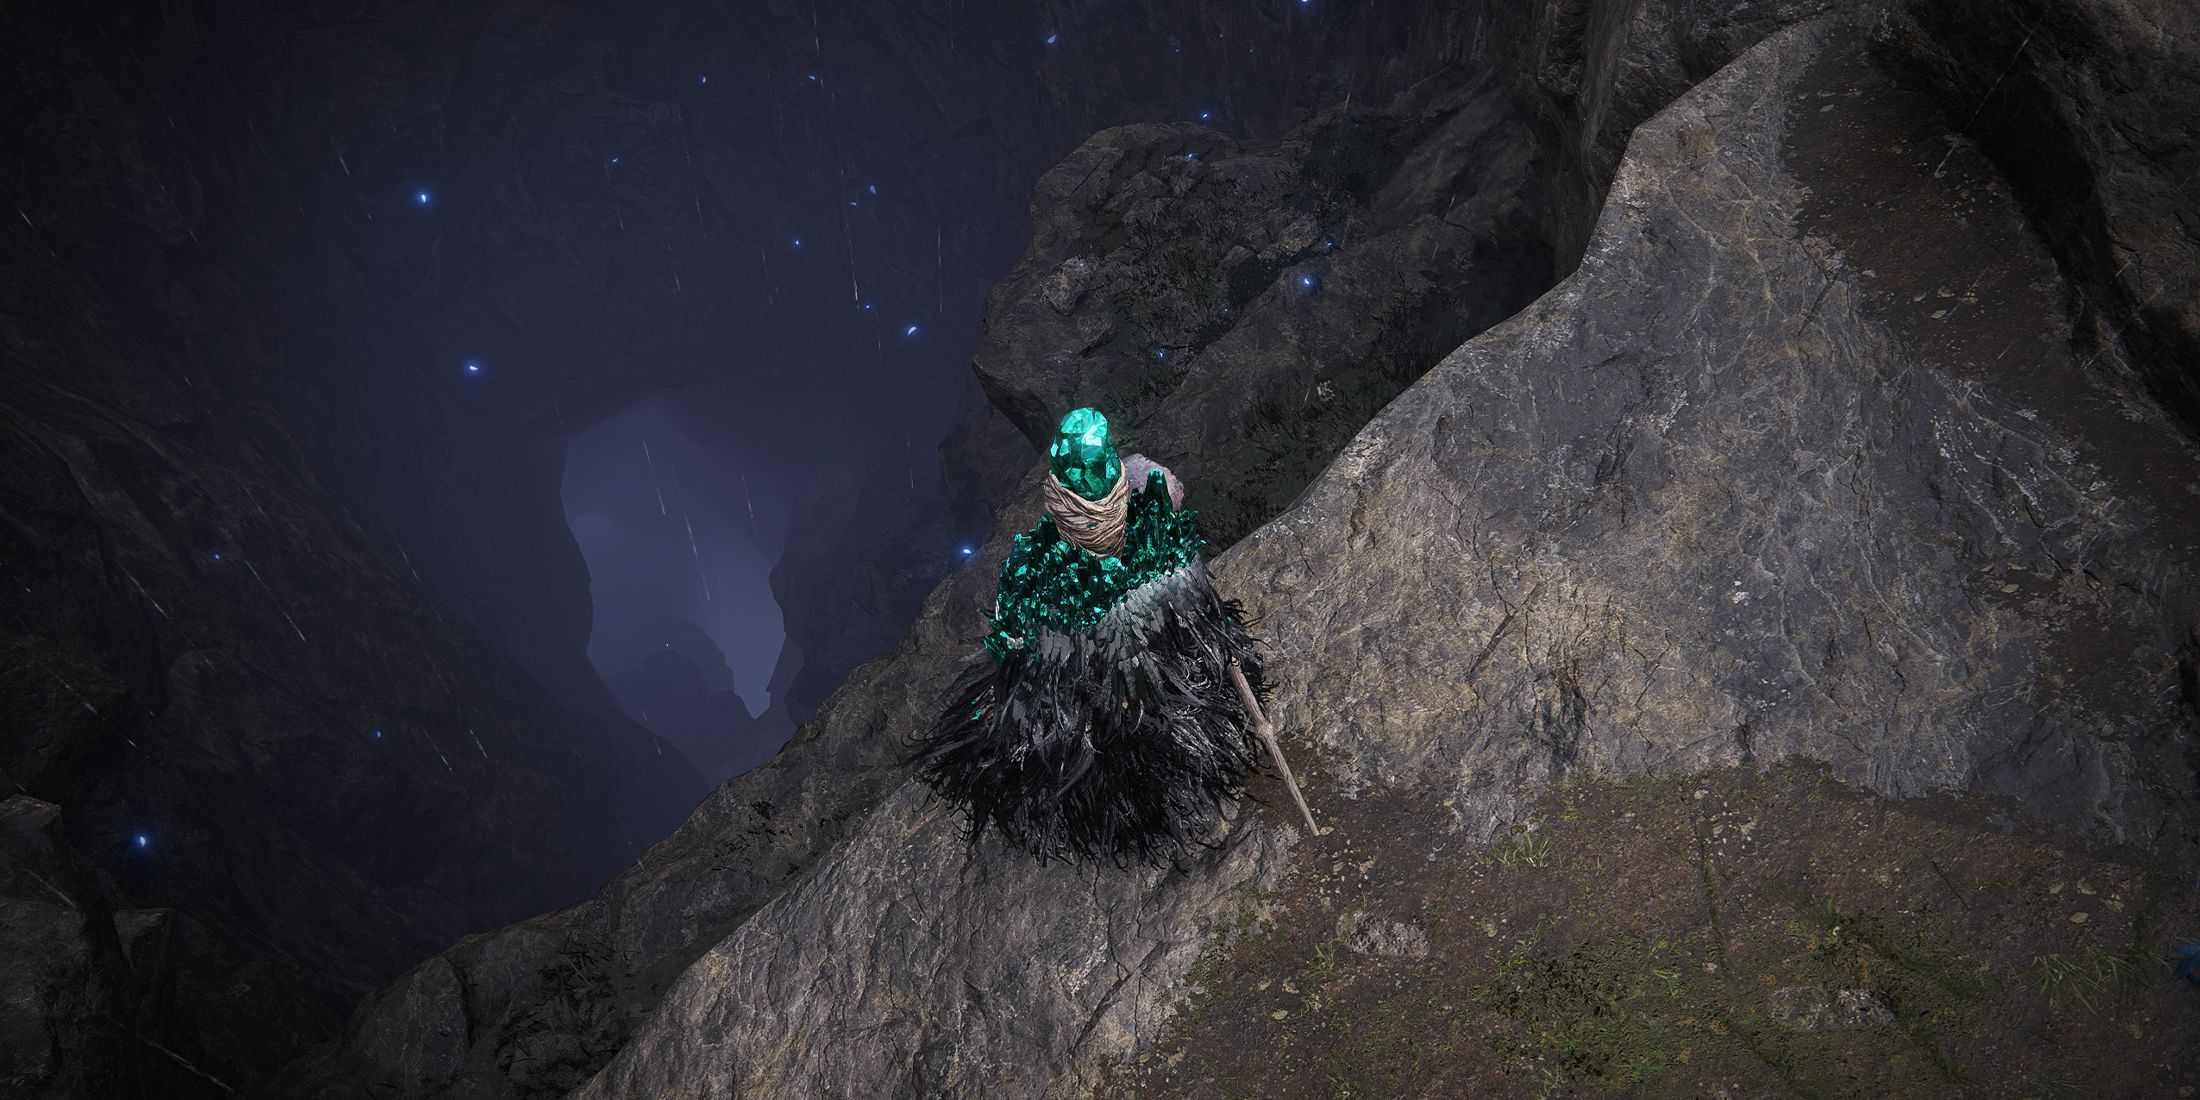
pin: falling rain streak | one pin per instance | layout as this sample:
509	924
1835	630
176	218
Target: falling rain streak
148	595
408	562
438	752
71	688
698	554
278	601
646	457
840	164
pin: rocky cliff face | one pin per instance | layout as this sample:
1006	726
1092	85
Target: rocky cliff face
2076	105
249	715
1246	306
284	771
695	709
862	550
288	590
1758	480
1812	455
1801	460
1206	253
1741	488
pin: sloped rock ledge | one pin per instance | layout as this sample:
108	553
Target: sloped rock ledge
1712	499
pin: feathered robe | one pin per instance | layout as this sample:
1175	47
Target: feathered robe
1101	722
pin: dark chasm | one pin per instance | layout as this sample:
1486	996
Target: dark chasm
491	492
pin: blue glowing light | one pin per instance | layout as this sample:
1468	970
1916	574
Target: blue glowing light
910	331
614	160
798	242
966	551
420	198
2188	962
1191	156
473	366
1205	115
1160	353
1306	282
873	189
869	306
1329	246
142	840
217	555
701	79
1053	38
813	78
851	202
378	734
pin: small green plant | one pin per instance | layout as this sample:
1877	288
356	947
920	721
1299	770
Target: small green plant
2084	977
1527	848
1325	958
1590	1015
1341	1086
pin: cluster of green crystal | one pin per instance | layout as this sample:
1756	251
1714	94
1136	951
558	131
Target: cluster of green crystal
1048	583
1083	456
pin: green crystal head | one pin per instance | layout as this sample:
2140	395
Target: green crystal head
1083	455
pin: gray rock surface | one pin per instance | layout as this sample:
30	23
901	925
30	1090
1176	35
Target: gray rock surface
95	1002
2084	107
1371	935
225	328
2089	110
1526	564
58	971
1809	1008
1755	481
550	1000
1593	70
1239	308
907	966
1721	495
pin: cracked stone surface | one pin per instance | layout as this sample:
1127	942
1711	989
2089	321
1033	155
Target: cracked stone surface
1732	492
1718	497
1371	935
907	966
1242	307
1806	1008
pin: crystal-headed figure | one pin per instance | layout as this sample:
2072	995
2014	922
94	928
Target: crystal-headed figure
1103	722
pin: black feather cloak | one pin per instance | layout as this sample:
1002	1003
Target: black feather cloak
1117	740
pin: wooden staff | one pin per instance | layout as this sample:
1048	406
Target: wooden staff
1268	736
